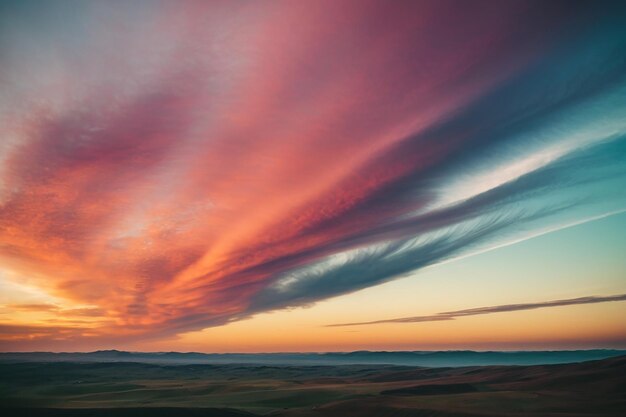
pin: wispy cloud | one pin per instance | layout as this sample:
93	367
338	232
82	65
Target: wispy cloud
52	309
32	307
451	315
9	332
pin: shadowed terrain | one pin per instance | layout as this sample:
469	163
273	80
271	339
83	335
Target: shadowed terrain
430	359
593	388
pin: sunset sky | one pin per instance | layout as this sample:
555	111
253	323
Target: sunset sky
254	176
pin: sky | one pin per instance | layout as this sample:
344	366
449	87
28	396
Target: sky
271	176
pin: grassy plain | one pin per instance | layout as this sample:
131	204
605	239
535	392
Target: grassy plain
595	388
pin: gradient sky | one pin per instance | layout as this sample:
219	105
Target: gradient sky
247	176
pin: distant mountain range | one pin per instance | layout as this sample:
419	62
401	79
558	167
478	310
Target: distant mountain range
411	358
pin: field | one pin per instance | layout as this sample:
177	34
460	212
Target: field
594	388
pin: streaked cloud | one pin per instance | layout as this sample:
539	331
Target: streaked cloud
32	307
451	315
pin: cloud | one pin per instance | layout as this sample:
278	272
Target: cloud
55	309
32	307
445	232
451	315
10	332
181	167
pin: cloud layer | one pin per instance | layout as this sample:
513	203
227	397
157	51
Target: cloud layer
173	166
